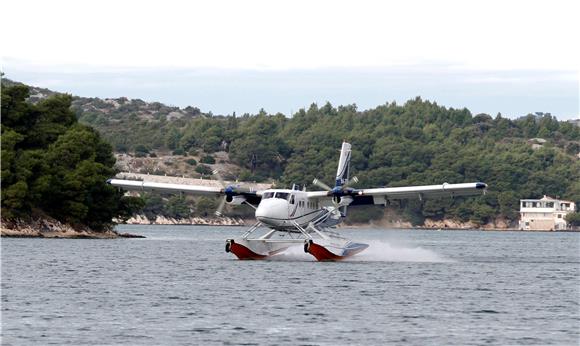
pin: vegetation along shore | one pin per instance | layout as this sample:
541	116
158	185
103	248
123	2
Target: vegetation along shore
58	151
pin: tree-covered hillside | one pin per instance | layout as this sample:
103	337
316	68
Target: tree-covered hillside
423	143
52	165
417	143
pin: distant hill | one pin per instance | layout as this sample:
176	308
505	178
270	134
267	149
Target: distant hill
419	142
114	108
122	121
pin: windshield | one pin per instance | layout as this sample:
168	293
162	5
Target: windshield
282	195
268	195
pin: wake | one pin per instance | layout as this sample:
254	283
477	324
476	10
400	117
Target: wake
382	251
378	251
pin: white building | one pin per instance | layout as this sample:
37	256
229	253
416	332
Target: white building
544	214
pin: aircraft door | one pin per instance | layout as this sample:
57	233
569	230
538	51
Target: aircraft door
292	206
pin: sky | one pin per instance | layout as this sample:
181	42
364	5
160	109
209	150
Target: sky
513	57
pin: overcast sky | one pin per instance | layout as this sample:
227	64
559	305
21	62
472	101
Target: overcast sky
512	57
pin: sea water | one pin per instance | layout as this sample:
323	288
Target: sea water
179	287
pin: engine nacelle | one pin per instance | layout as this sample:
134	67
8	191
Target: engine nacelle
235	200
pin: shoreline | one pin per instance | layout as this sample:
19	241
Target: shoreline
68	235
8	233
371	226
52	229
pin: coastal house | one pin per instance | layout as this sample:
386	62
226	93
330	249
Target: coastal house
575	122
544	214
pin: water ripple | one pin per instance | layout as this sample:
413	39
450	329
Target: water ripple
178	287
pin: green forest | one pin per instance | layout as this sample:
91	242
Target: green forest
48	156
52	165
417	143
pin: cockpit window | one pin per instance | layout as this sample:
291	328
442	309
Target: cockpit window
268	195
282	195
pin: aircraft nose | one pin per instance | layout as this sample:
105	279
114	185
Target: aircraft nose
272	208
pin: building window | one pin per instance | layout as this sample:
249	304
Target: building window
559	216
550	205
534	204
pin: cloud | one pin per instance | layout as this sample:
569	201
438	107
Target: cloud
223	91
300	34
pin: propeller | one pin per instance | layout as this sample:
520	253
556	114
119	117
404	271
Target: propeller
352	181
321	185
220	179
228	190
338	193
336	189
220	208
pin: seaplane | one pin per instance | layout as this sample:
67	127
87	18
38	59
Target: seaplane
295	217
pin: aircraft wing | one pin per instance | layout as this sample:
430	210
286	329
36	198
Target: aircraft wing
384	194
138	185
231	192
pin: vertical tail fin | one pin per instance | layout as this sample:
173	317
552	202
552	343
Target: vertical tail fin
343	165
342	173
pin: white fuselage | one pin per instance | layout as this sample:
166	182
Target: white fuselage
281	208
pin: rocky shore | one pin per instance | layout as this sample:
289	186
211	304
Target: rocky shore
393	221
384	223
498	224
51	228
46	227
162	220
